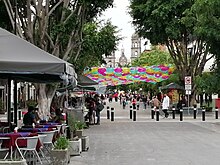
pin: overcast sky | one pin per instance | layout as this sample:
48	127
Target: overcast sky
120	17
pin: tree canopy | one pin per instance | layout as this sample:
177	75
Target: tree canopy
99	40
153	57
62	28
174	24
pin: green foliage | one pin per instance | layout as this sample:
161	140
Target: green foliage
153	57
74	124
159	20
31	103
177	24
61	143
98	41
208	83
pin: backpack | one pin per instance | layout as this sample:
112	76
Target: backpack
99	107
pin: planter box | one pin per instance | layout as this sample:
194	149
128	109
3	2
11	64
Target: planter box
75	147
79	133
60	157
85	143
13	162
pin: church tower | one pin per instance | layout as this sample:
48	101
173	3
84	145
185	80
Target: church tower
123	60
135	46
110	60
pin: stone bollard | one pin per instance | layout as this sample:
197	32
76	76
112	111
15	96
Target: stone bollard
203	114
194	112
112	114
157	114
173	112
131	112
181	114
108	113
152	112
134	114
216	112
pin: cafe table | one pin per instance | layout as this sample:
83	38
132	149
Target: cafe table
35	130
13	136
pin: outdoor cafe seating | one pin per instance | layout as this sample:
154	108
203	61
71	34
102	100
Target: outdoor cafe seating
43	134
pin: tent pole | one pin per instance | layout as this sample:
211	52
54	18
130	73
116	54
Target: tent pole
15	103
9	103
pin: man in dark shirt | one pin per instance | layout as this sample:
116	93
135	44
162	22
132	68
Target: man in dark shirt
29	117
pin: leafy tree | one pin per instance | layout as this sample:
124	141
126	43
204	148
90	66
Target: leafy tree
99	40
153	57
208	16
174	24
207	83
55	26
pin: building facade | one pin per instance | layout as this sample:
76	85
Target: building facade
123	60
135	46
110	60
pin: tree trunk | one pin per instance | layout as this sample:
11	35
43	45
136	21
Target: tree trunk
45	96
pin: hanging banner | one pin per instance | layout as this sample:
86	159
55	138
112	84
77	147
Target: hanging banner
118	76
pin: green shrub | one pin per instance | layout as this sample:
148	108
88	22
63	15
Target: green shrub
31	103
75	125
62	143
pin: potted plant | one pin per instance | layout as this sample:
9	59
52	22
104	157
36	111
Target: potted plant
76	131
75	147
60	153
79	126
76	127
14	162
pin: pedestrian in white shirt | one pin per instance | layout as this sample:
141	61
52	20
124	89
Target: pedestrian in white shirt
165	105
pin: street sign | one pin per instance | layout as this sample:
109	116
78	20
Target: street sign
188	87
188	80
188	92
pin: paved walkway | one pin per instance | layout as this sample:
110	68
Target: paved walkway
149	142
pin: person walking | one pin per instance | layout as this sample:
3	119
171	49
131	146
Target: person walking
156	103
165	105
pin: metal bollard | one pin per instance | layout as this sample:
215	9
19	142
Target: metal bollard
19	114
138	106
181	114
203	114
194	112
112	114
173	111
216	112
134	114
157	114
152	112
131	112
108	113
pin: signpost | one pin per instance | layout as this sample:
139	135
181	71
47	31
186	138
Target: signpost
188	87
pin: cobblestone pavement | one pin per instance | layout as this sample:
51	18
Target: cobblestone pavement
149	142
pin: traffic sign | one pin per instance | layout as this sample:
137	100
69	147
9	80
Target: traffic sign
188	87
188	92
188	80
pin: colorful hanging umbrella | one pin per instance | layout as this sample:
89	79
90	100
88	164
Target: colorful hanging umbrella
118	76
